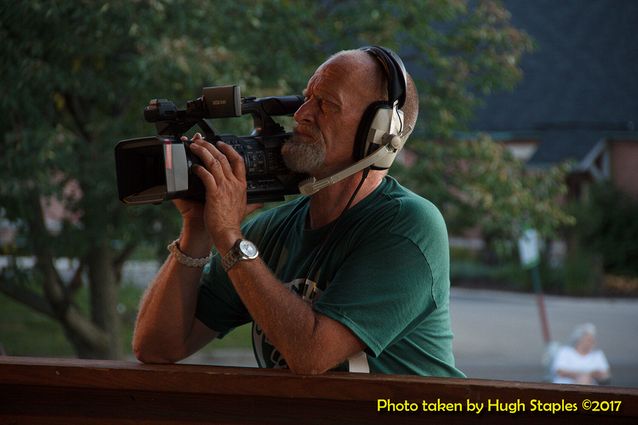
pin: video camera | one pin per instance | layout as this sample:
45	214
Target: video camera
157	168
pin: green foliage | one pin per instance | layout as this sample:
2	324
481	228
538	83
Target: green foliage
478	183
581	273
76	75
508	276
607	225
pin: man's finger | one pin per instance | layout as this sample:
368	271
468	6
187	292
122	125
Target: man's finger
206	177
235	160
217	155
212	164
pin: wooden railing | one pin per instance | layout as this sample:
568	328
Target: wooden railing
58	391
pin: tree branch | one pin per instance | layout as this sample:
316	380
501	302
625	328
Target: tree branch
27	297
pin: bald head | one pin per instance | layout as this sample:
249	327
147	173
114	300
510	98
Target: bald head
364	69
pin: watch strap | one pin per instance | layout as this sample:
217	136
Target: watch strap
235	255
187	260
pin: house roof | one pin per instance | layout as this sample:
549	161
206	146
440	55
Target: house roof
582	77
559	146
573	145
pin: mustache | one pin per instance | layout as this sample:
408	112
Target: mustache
307	131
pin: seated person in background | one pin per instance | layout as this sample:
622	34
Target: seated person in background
580	362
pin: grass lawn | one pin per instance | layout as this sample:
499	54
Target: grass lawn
24	332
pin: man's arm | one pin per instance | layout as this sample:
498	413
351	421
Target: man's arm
166	329
310	342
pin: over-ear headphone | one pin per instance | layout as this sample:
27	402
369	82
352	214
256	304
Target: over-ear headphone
383	119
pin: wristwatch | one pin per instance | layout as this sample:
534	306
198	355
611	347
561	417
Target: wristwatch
242	250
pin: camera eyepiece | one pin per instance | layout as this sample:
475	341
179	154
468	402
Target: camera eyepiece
160	110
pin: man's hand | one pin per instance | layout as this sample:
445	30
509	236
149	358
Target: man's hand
224	176
192	212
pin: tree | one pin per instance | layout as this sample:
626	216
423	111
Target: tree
77	74
607	226
479	184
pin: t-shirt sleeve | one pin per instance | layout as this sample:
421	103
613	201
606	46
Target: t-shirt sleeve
381	292
218	305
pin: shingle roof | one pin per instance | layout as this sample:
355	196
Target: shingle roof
558	146
584	71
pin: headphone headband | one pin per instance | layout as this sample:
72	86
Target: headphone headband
395	72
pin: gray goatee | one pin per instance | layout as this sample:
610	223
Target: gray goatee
303	157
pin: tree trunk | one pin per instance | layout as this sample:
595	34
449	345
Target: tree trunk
103	295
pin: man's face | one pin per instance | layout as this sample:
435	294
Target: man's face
336	97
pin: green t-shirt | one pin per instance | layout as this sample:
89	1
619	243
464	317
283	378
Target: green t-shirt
383	272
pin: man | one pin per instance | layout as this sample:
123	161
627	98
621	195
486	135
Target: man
355	277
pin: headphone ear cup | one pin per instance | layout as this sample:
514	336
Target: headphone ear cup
364	139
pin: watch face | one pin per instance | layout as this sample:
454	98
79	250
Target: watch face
248	249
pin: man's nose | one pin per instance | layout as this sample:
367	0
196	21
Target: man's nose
305	112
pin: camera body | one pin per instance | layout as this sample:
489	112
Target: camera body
157	168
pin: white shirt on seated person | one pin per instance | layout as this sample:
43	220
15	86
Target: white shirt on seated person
580	363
